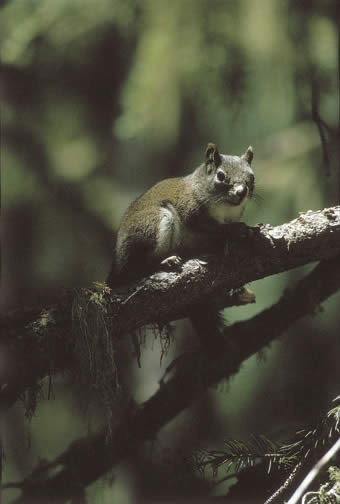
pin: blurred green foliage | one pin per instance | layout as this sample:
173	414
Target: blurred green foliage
102	99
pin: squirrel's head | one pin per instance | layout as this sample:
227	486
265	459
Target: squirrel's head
230	178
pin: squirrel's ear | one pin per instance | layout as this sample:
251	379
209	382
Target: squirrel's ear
212	155
248	155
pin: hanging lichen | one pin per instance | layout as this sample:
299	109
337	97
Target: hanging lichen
94	345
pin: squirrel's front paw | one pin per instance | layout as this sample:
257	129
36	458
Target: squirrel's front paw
172	262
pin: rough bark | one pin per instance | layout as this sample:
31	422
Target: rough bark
89	458
38	341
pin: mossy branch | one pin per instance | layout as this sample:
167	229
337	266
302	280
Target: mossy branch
87	459
40	341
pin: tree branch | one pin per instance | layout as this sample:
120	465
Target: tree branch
87	459
325	459
38	343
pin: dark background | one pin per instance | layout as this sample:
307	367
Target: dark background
102	99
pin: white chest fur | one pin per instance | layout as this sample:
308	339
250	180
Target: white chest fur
224	213
169	231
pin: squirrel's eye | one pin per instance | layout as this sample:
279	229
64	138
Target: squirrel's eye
209	170
221	176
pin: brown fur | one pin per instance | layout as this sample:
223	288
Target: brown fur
182	216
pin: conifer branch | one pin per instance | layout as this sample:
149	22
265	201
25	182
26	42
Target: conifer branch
89	458
39	342
294	455
325	459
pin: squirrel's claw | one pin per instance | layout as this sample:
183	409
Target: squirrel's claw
172	262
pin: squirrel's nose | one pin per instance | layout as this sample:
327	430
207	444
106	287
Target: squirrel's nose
220	175
240	191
